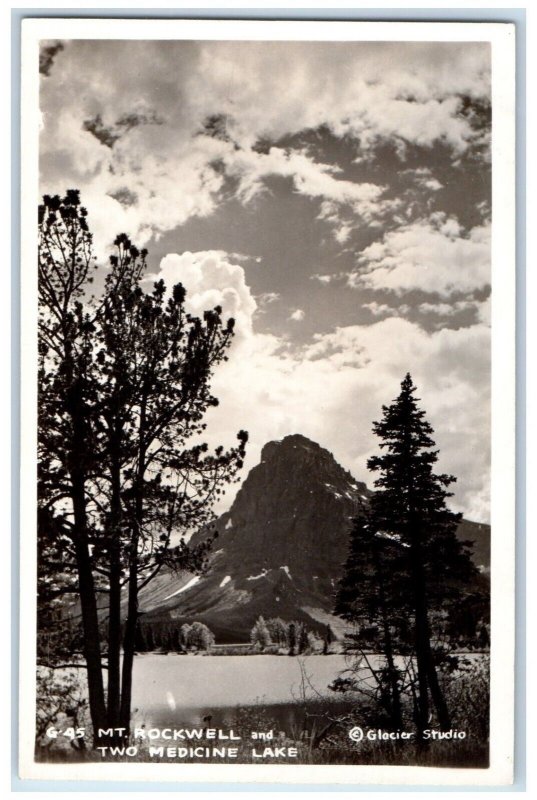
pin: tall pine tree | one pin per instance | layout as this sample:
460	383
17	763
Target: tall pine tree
124	474
406	564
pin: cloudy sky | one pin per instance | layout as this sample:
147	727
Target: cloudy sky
333	197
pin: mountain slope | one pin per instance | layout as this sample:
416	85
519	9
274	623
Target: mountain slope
280	548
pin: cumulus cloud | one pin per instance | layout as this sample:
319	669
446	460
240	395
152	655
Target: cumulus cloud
266	298
324	279
447	309
333	390
384	310
211	280
108	126
438	313
432	183
424	178
310	178
298	315
432	255
367	91
451	370
346	216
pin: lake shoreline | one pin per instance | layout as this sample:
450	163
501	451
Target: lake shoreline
281	652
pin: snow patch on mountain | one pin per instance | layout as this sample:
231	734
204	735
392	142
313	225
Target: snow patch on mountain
286	570
192	582
256	577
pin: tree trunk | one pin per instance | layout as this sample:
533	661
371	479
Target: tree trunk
395	704
86	583
114	639
114	618
90	618
442	711
424	653
422	644
129	643
129	639
395	711
423	687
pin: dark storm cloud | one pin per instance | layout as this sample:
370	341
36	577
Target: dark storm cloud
109	135
47	55
216	126
125	197
133	119
104	135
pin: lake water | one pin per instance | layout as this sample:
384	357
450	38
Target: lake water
181	690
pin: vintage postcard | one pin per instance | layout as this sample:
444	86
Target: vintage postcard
268	320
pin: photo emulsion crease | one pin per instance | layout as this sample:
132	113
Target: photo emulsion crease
262	274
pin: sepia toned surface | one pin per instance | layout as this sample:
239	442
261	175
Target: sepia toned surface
340	214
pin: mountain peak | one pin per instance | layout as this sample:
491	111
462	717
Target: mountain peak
293	441
307	461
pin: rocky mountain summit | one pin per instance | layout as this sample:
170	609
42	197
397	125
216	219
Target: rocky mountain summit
280	548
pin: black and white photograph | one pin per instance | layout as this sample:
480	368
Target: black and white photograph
263	523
